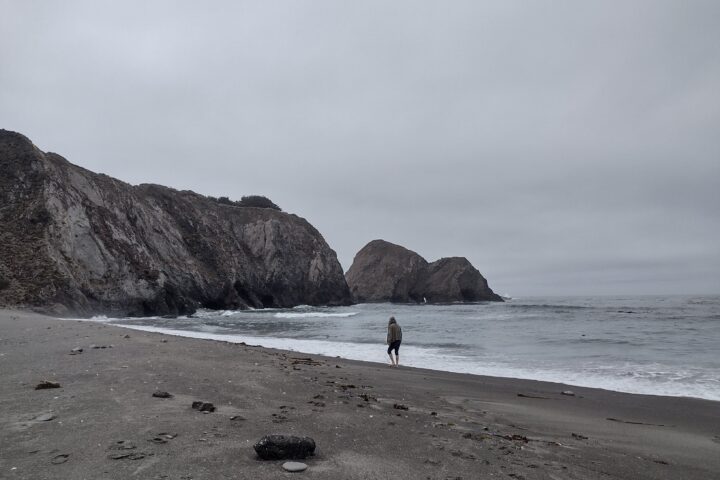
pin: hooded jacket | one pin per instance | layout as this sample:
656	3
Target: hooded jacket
394	332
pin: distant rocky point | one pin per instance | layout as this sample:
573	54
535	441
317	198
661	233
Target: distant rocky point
77	242
385	272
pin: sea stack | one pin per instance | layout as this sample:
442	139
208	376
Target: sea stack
77	242
385	272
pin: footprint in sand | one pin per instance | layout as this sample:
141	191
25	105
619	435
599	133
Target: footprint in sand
58	459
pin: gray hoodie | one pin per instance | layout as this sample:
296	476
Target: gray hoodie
394	332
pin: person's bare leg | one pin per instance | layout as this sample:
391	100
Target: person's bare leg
392	362
397	359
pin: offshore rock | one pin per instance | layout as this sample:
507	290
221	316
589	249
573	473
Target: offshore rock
385	272
77	242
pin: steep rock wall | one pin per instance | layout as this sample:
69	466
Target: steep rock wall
76	241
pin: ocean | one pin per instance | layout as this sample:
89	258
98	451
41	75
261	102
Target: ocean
638	344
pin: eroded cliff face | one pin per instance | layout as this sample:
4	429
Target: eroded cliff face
385	272
73	241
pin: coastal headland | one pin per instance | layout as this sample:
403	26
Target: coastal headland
77	243
369	421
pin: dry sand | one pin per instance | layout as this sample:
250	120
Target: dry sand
455	426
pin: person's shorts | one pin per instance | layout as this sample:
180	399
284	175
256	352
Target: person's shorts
394	346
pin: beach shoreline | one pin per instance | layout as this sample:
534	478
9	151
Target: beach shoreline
262	342
368	420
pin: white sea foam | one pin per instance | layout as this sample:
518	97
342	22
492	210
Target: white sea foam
630	379
95	319
315	315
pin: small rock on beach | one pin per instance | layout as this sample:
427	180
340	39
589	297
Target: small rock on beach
45	384
294	466
203	406
161	394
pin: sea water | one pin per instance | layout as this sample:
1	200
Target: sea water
652	345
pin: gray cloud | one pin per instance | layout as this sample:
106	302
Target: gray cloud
563	147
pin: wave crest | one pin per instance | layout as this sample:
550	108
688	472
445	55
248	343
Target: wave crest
315	315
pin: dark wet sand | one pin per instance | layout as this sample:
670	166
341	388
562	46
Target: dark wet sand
456	426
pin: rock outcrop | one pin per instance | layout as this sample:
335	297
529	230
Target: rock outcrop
73	241
385	272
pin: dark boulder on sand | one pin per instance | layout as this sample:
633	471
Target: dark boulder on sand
77	242
203	406
385	272
281	447
46	384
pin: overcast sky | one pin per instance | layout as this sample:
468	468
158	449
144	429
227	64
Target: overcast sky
563	147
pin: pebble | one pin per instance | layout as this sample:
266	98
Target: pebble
569	393
294	466
45	417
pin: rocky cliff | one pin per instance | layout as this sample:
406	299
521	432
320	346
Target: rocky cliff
73	241
385	272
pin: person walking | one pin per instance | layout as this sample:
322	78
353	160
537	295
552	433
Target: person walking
394	338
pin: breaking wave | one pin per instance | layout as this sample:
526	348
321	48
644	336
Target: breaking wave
315	315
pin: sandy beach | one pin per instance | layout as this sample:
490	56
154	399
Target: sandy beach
369	421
